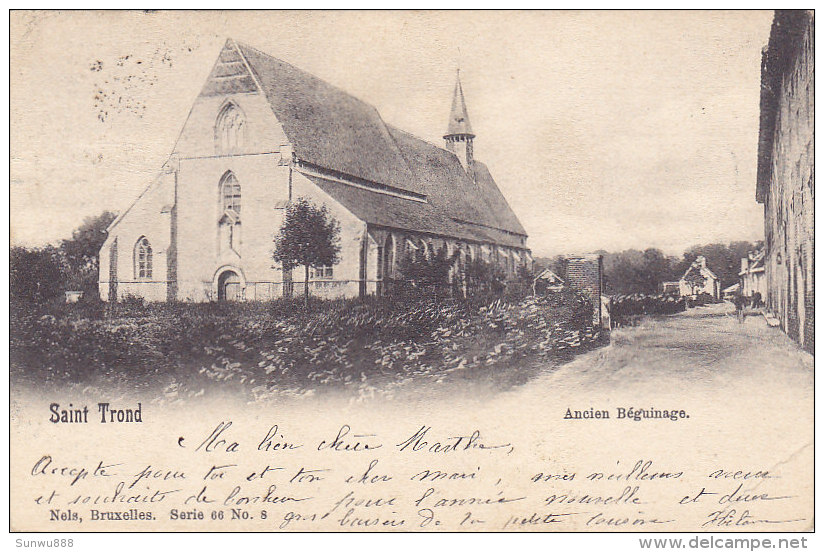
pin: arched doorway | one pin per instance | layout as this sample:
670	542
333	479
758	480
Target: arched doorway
228	286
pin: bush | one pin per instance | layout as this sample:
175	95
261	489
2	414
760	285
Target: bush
623	308
700	300
265	348
431	271
133	301
35	274
484	277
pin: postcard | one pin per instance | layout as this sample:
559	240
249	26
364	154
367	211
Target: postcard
412	271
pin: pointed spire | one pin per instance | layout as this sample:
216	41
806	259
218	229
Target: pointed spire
458	117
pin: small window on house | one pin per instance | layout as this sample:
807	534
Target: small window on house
230	129
322	273
230	193
143	259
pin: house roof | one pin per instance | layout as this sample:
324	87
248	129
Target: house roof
397	212
757	260
754	263
705	271
330	129
550	276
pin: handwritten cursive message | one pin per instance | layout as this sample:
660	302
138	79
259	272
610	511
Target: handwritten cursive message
276	477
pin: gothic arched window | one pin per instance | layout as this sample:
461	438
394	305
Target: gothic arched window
229	221
143	259
230	129
230	193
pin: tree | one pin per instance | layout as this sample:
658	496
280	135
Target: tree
526	275
430	272
656	268
80	253
308	237
35	274
695	280
39	274
634	271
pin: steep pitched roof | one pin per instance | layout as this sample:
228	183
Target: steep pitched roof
327	126
707	270
495	200
459	116
395	212
550	276
702	269
330	129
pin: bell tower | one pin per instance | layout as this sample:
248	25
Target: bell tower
459	134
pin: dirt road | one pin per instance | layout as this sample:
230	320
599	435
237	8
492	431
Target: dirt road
702	350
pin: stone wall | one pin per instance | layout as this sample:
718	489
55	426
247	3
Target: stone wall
788	201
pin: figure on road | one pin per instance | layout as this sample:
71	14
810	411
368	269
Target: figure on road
740	302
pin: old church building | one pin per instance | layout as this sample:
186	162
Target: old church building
263	132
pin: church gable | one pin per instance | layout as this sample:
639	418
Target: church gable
253	103
231	116
230	75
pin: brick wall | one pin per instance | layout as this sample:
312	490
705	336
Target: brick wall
585	273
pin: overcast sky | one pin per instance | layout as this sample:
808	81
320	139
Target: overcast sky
604	130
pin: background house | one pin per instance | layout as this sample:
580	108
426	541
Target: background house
752	277
700	279
547	281
729	293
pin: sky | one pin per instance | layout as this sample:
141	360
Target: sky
604	130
